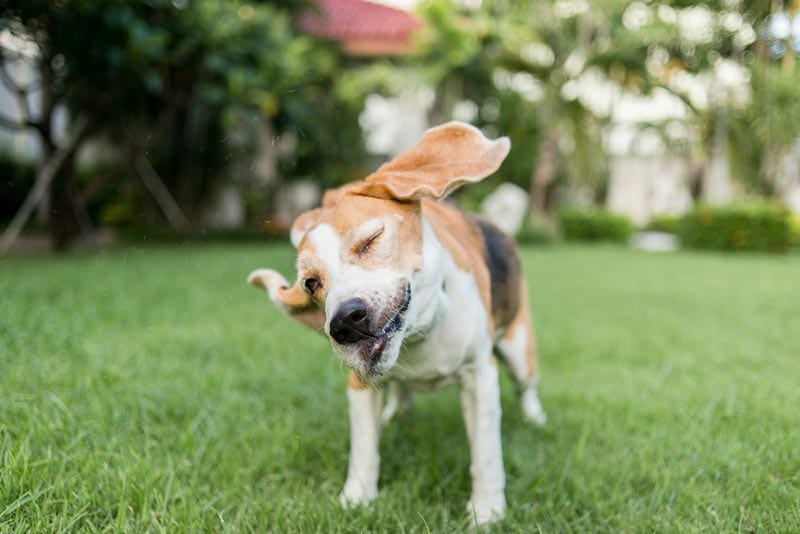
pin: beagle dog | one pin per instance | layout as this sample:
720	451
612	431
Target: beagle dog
414	294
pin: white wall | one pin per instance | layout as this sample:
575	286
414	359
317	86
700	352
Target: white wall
644	186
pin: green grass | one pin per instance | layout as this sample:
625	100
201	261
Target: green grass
152	390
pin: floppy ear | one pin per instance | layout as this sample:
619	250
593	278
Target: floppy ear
293	301
446	157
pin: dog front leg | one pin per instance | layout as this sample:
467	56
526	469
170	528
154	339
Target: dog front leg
480	402
365	423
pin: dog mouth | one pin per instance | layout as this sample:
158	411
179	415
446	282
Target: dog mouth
375	343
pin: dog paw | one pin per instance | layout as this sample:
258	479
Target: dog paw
532	408
356	494
486	510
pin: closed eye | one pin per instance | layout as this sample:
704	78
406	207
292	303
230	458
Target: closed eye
364	246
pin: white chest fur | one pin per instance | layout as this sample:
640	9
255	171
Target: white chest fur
447	324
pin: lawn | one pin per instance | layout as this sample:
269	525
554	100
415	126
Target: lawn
151	389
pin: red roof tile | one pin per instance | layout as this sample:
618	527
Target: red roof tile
357	19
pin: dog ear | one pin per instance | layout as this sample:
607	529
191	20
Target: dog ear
446	157
293	301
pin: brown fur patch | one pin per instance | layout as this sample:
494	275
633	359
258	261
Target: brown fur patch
407	252
302	307
354	381
332	196
311	317
523	319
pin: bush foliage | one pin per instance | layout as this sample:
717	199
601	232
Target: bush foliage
794	231
664	223
758	226
594	225
537	232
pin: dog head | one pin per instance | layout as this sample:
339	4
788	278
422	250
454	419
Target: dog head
359	255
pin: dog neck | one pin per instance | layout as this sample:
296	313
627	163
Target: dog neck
429	304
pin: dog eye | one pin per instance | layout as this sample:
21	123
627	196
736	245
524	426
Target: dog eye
364	246
311	284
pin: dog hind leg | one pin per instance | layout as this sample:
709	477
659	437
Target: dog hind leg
398	401
517	347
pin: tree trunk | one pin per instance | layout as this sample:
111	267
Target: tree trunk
448	93
43	179
544	174
717	184
46	107
43	208
63	205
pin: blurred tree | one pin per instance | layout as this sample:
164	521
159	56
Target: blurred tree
744	124
159	79
529	58
764	135
519	68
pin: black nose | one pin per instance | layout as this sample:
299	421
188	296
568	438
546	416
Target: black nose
350	322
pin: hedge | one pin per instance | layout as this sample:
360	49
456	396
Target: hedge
794	231
664	223
537	232
757	226
594	225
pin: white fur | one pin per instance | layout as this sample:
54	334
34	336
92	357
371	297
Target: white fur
398	401
532	406
453	345
326	245
480	401
515	349
378	287
515	353
429	303
452	319
363	468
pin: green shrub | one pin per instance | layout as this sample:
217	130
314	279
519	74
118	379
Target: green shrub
760	226
594	225
664	223
537	232
794	231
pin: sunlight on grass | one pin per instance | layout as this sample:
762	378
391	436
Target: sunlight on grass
152	389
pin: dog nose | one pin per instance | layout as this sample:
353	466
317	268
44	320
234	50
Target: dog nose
350	322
